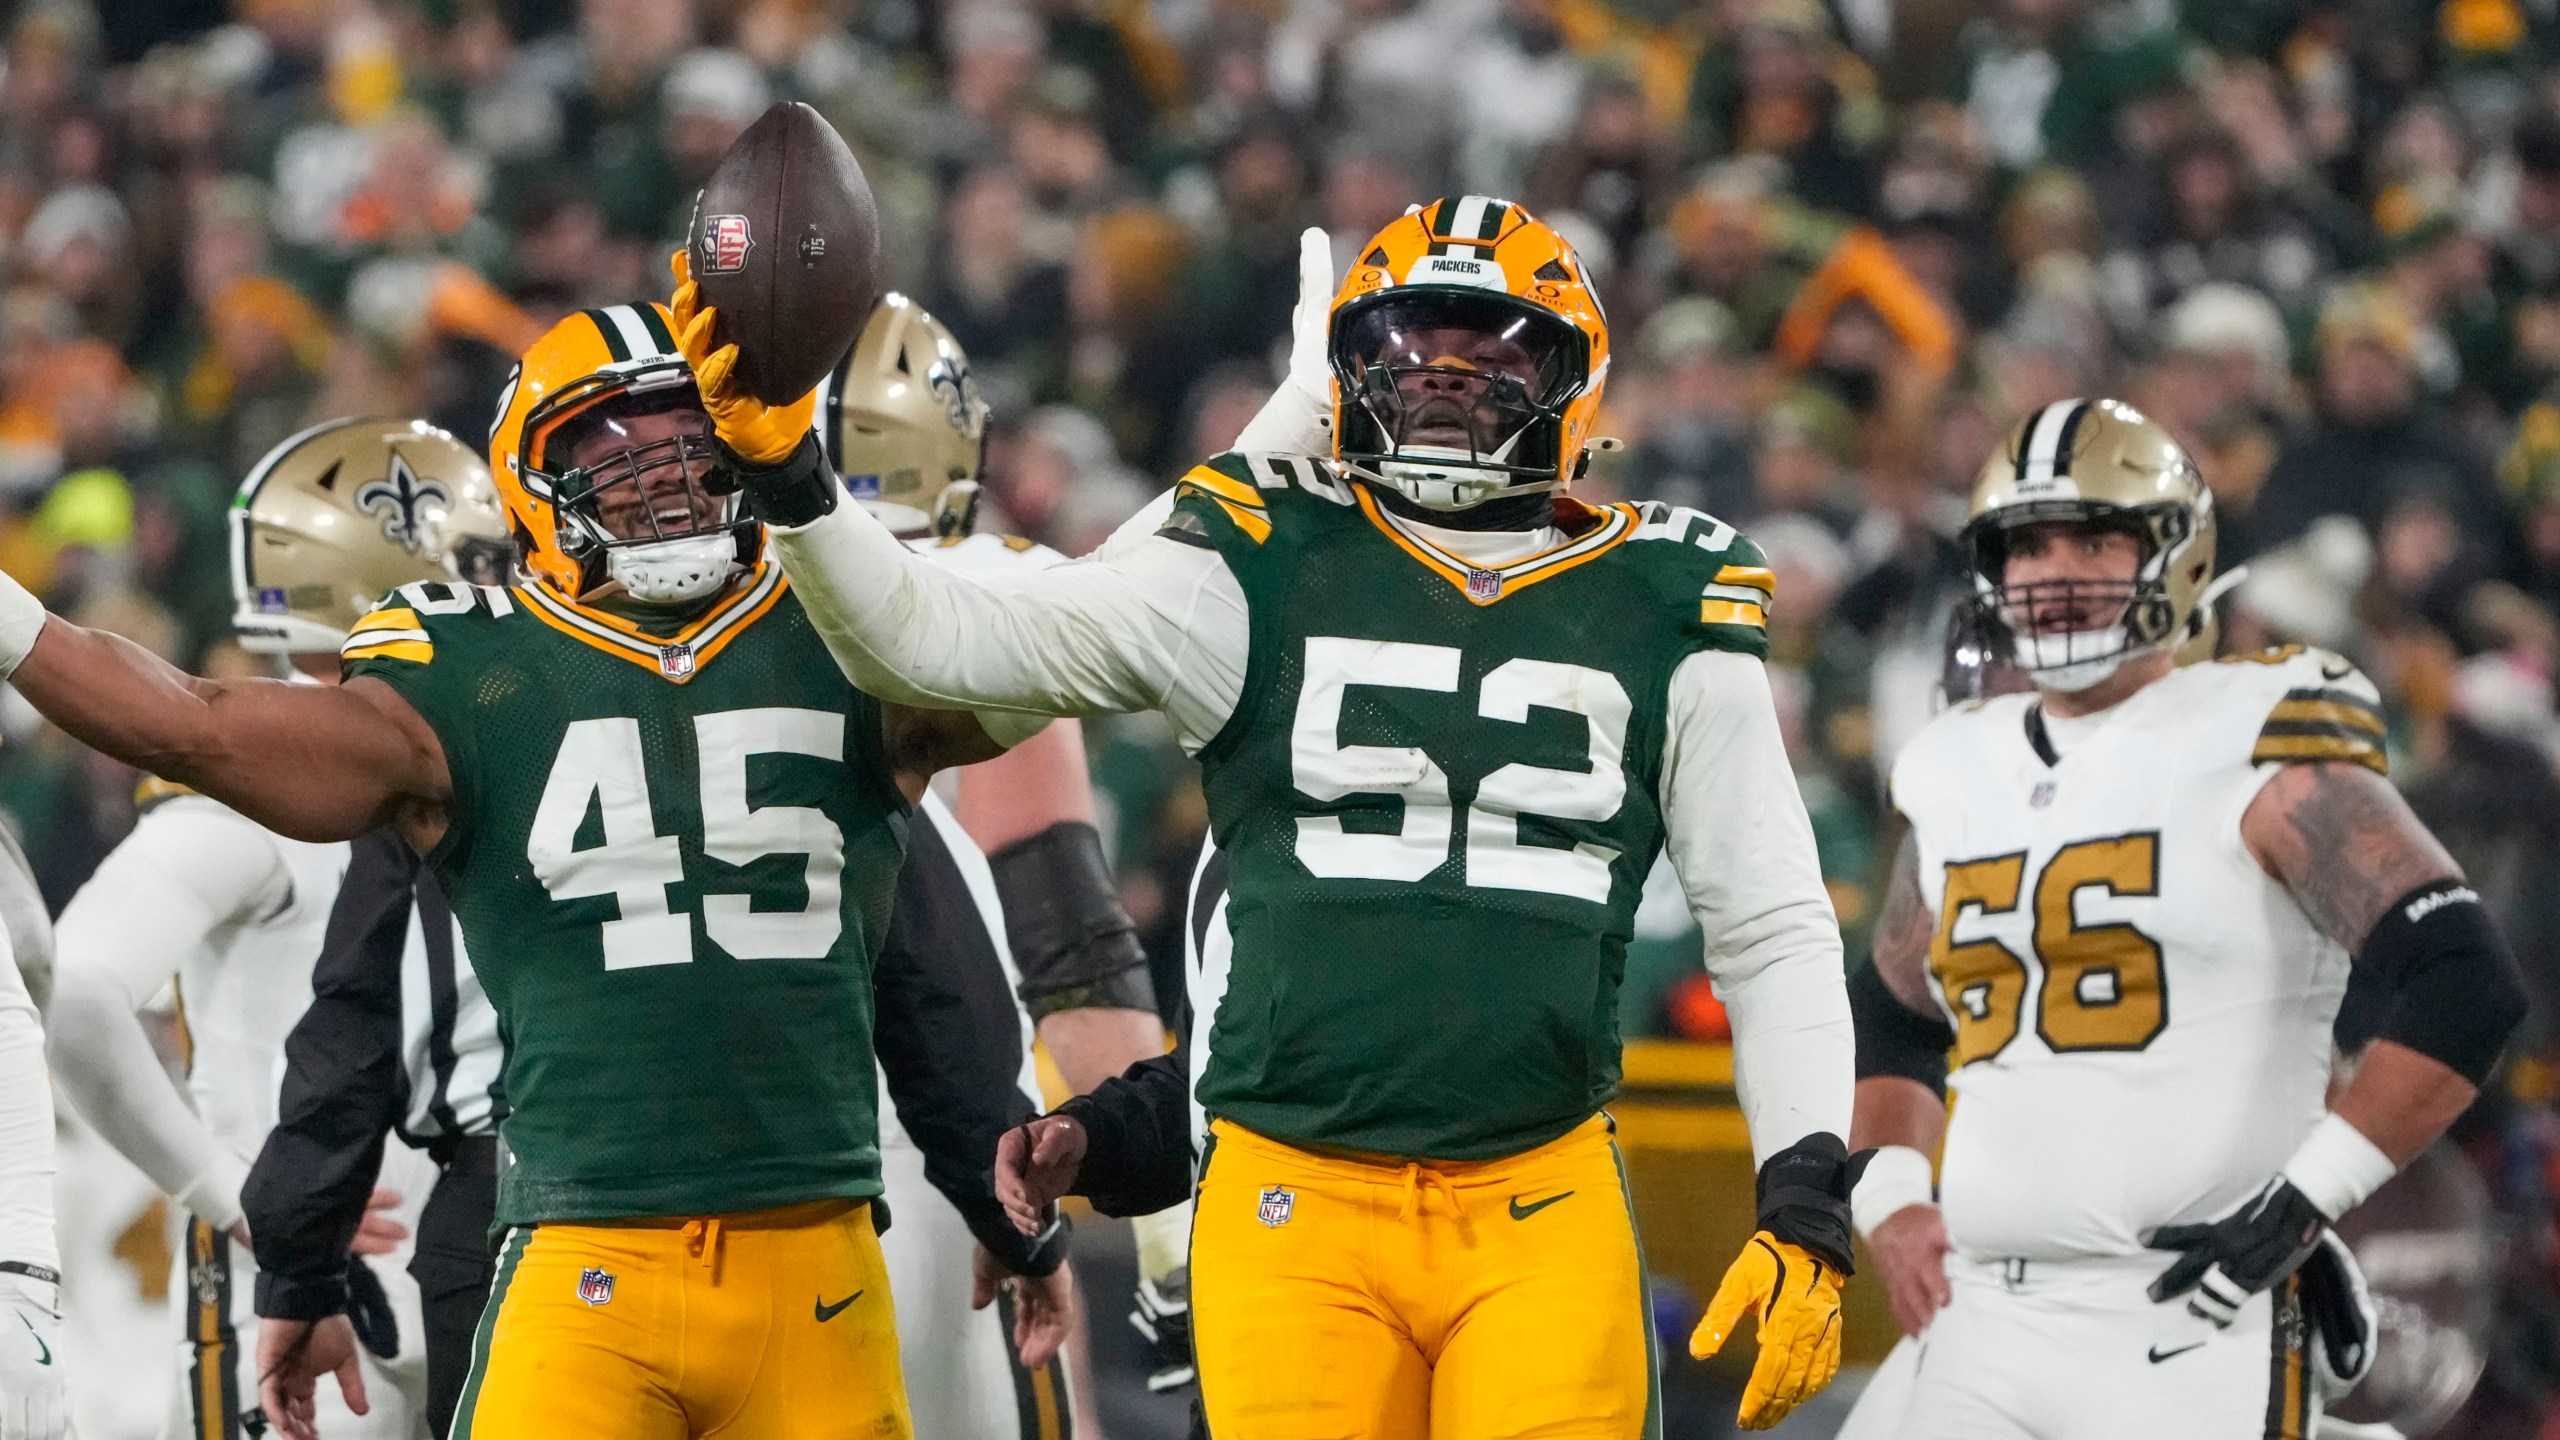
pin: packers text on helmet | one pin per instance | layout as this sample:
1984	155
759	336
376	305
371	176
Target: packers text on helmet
1468	354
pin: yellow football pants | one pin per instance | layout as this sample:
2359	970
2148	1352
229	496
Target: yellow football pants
767	1326
1337	1300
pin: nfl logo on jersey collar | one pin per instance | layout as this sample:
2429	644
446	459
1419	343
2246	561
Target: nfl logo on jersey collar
595	1286
1484	584
675	661
1277	1204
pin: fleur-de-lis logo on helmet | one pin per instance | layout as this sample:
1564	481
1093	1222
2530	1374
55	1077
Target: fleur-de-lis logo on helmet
399	501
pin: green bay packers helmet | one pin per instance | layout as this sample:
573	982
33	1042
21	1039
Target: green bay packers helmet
902	421
339	516
2093	463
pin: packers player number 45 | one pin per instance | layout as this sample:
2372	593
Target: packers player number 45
670	830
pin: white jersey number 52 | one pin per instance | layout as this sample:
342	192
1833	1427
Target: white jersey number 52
1327	770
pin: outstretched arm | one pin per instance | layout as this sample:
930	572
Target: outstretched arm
313	762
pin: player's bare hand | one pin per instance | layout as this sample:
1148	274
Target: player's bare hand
761	434
1044	1306
1794	1300
292	1357
1035	1164
1910	1247
378	1233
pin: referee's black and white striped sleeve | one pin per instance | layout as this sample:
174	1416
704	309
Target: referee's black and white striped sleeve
344	1090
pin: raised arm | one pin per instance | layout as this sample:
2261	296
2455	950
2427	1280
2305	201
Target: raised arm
314	762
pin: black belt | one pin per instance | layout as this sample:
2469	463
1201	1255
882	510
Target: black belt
467	1155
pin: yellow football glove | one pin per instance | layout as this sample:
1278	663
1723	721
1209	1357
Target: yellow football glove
1796	1299
761	434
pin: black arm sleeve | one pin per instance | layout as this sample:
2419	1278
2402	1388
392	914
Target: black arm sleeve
1894	1039
344	1088
1075	945
2435	976
1137	1126
950	1041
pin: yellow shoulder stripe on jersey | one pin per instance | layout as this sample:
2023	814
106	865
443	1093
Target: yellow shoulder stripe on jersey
1224	486
1758	577
1251	522
1712	611
2312	723
391	633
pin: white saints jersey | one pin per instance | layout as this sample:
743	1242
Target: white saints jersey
243	986
2141	1012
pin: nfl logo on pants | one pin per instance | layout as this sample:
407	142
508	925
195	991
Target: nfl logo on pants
595	1286
1276	1205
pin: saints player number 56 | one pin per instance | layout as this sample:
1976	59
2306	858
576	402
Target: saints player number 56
2103	988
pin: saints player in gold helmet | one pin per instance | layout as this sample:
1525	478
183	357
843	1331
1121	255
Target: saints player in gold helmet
2133	900
1411	1219
329	524
671	832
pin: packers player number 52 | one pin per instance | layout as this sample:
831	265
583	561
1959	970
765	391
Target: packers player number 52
2103	988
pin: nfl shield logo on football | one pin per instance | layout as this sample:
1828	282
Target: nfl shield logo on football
1277	1203
595	1286
675	661
1483	584
725	243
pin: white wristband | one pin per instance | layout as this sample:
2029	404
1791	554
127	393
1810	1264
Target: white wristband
1898	1177
21	621
2336	1167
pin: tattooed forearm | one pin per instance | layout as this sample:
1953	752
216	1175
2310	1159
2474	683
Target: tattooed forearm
1904	928
2344	842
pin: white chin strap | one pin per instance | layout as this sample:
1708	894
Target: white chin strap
671	572
2047	658
1438	477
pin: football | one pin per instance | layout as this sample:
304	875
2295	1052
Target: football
785	242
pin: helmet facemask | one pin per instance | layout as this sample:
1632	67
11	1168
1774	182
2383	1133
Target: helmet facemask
630	464
1453	397
2070	635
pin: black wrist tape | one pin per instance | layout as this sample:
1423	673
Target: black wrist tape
1075	945
800	489
1894	1039
1804	1198
2436	977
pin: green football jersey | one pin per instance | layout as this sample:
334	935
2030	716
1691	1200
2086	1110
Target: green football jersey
1438	799
672	857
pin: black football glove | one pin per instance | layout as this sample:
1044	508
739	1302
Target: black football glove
2228	1260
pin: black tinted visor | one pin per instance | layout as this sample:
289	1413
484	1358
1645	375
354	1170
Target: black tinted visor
1458	331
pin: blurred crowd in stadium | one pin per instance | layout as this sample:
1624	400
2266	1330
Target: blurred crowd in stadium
1843	246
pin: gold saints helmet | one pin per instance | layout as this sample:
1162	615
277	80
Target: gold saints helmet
903	424
339	516
2099	463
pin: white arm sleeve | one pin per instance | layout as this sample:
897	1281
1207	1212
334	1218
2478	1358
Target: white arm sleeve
186	870
1145	623
26	1125
1739	839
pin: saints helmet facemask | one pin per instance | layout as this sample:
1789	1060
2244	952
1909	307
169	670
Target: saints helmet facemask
903	423
1468	355
335	518
2091	465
